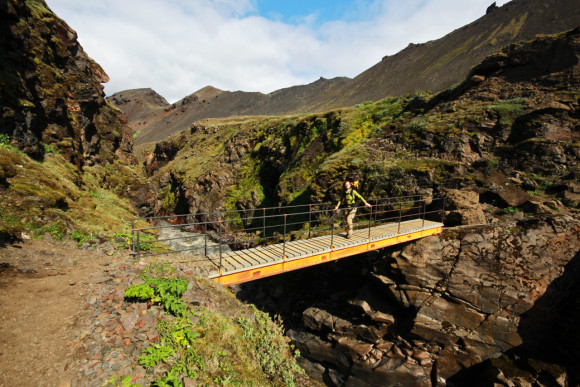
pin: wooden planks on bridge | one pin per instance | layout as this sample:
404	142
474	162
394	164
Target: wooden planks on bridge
246	265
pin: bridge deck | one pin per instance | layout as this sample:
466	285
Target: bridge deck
246	265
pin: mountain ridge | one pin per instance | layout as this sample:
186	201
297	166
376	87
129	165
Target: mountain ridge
440	63
430	66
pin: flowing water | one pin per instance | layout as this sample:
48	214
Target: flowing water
189	243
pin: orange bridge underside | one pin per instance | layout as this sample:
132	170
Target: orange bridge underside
299	263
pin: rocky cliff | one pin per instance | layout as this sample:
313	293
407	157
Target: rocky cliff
52	92
501	297
63	148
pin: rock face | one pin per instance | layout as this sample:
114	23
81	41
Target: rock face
51	92
453	301
60	140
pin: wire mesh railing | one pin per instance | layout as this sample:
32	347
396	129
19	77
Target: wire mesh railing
210	235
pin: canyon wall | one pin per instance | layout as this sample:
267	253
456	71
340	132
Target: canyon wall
447	307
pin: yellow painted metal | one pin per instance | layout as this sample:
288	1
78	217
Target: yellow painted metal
286	265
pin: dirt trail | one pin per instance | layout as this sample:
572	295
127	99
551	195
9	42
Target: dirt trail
43	288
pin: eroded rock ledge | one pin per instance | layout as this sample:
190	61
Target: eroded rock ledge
437	307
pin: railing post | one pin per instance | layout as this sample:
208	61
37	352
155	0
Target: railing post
309	218
220	246
332	232
205	239
264	223
370	223
424	213
133	235
400	216
284	244
138	245
443	212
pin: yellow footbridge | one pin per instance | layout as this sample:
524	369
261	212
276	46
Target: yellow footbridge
247	245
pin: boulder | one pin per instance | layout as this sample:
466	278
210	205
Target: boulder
569	192
317	319
314	348
463	208
537	207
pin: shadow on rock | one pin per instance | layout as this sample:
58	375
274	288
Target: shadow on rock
550	348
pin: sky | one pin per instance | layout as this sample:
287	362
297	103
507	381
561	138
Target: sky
177	47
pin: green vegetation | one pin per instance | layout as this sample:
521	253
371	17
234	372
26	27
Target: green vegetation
49	149
509	210
120	381
169	199
148	242
248	188
80	238
509	109
265	340
53	197
544	184
38	7
493	162
56	231
163	291
286	155
207	346
4	140
301	159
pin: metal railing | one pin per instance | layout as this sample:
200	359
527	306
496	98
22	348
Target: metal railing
217	232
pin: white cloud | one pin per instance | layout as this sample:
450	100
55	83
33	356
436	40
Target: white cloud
179	46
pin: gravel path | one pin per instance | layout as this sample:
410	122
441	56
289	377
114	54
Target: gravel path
63	318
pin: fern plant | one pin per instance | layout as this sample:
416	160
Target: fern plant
120	381
177	336
163	291
155	353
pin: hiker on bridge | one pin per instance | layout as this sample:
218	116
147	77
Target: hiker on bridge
348	200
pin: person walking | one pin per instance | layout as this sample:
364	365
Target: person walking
348	200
